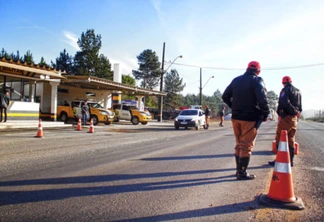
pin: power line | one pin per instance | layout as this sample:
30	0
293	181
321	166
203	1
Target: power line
270	68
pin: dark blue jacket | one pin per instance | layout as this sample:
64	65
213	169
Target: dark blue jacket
4	100
247	97
289	101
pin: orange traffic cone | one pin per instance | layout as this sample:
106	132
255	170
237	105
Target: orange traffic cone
40	129
79	125
274	146
281	191
91	129
296	148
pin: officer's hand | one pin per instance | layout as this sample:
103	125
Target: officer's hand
298	114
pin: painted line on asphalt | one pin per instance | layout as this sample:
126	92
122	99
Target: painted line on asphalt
317	168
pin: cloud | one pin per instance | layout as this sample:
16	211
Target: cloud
157	6
71	39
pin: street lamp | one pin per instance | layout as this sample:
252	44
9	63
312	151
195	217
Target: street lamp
180	56
162	79
201	87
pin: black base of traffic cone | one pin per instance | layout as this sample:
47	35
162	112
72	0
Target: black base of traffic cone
296	205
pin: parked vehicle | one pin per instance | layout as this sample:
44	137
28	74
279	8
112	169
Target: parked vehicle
131	113
170	113
166	114
97	113
190	118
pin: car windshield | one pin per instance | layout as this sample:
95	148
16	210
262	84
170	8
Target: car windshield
189	113
133	108
95	105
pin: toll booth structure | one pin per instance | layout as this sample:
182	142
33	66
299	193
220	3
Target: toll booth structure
26	83
36	91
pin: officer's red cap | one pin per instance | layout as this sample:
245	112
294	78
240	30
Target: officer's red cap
286	79
254	65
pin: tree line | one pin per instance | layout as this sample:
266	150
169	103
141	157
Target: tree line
318	116
90	62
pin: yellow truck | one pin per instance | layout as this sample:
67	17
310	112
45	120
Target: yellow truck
97	112
131	113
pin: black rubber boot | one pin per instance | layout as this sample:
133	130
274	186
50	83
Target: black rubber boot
237	161
272	163
292	154
242	174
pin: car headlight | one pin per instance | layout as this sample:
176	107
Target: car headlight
104	113
145	113
176	119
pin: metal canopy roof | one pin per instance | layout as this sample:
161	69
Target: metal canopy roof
25	71
90	82
37	73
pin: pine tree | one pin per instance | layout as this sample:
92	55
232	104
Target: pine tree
28	58
63	63
149	69
173	85
42	62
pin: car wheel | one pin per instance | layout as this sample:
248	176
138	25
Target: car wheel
144	123
64	117
108	123
176	127
116	119
135	120
186	127
95	120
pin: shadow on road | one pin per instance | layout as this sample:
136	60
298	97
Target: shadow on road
200	213
19	197
259	153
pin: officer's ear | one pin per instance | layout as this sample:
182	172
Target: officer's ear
258	72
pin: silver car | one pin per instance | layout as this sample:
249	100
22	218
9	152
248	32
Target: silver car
190	118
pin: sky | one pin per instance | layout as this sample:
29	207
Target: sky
217	37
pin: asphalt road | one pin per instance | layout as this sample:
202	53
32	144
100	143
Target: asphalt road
123	172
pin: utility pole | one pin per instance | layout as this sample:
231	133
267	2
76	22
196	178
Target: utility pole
161	86
200	89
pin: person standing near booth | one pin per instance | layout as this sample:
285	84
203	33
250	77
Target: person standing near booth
85	112
222	115
4	103
207	116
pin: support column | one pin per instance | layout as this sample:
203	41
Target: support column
54	100
139	102
116	95
32	91
107	98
